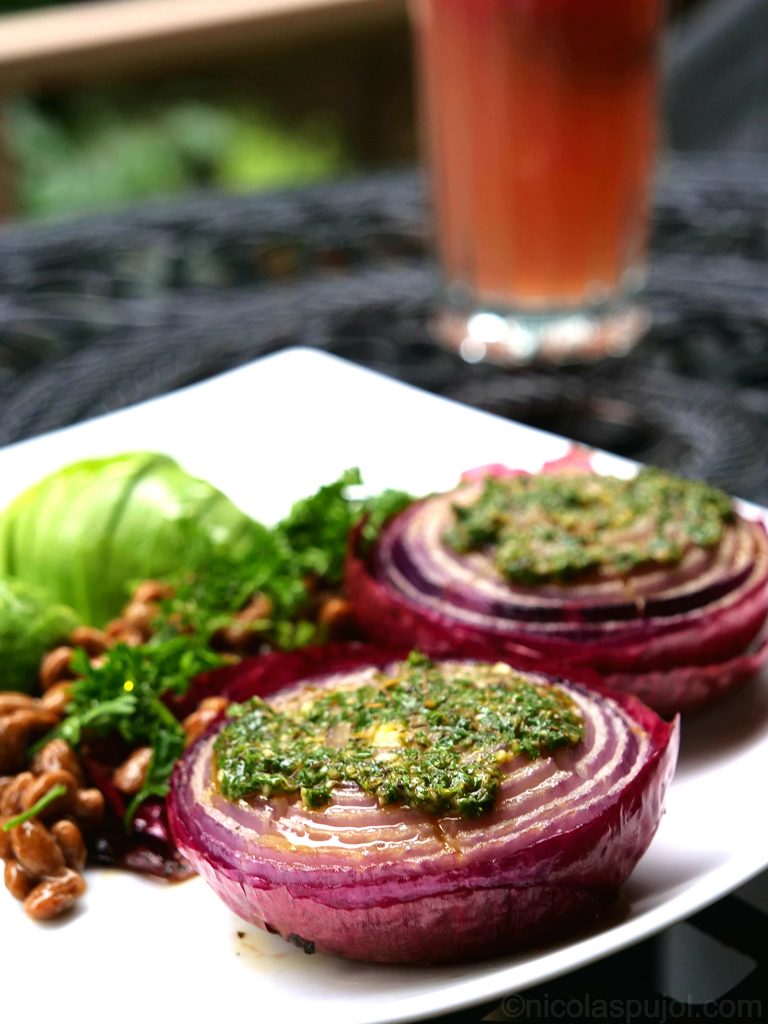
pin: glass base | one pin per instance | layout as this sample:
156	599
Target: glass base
513	338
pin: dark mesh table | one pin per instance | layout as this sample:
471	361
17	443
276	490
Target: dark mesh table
99	313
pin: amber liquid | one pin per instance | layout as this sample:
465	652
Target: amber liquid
540	123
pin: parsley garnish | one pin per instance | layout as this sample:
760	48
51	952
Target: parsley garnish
124	696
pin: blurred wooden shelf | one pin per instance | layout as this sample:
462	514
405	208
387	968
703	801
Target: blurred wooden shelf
83	42
74	42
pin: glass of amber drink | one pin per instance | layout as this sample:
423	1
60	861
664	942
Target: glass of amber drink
539	120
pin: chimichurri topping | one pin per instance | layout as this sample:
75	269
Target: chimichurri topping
433	737
553	527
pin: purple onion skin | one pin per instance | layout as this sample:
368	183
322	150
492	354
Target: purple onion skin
538	892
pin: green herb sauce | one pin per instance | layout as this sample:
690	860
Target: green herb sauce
548	528
434	737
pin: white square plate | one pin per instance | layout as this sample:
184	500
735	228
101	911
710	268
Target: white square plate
267	434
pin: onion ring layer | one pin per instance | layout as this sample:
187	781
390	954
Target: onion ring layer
677	636
394	884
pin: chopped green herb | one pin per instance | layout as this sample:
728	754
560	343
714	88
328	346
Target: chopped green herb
539	528
379	509
286	563
430	736
124	695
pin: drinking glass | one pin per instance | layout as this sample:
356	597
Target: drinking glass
539	122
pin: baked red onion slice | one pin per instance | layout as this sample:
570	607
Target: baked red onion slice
677	636
394	884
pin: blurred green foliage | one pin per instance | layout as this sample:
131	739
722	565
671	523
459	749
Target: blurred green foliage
96	155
